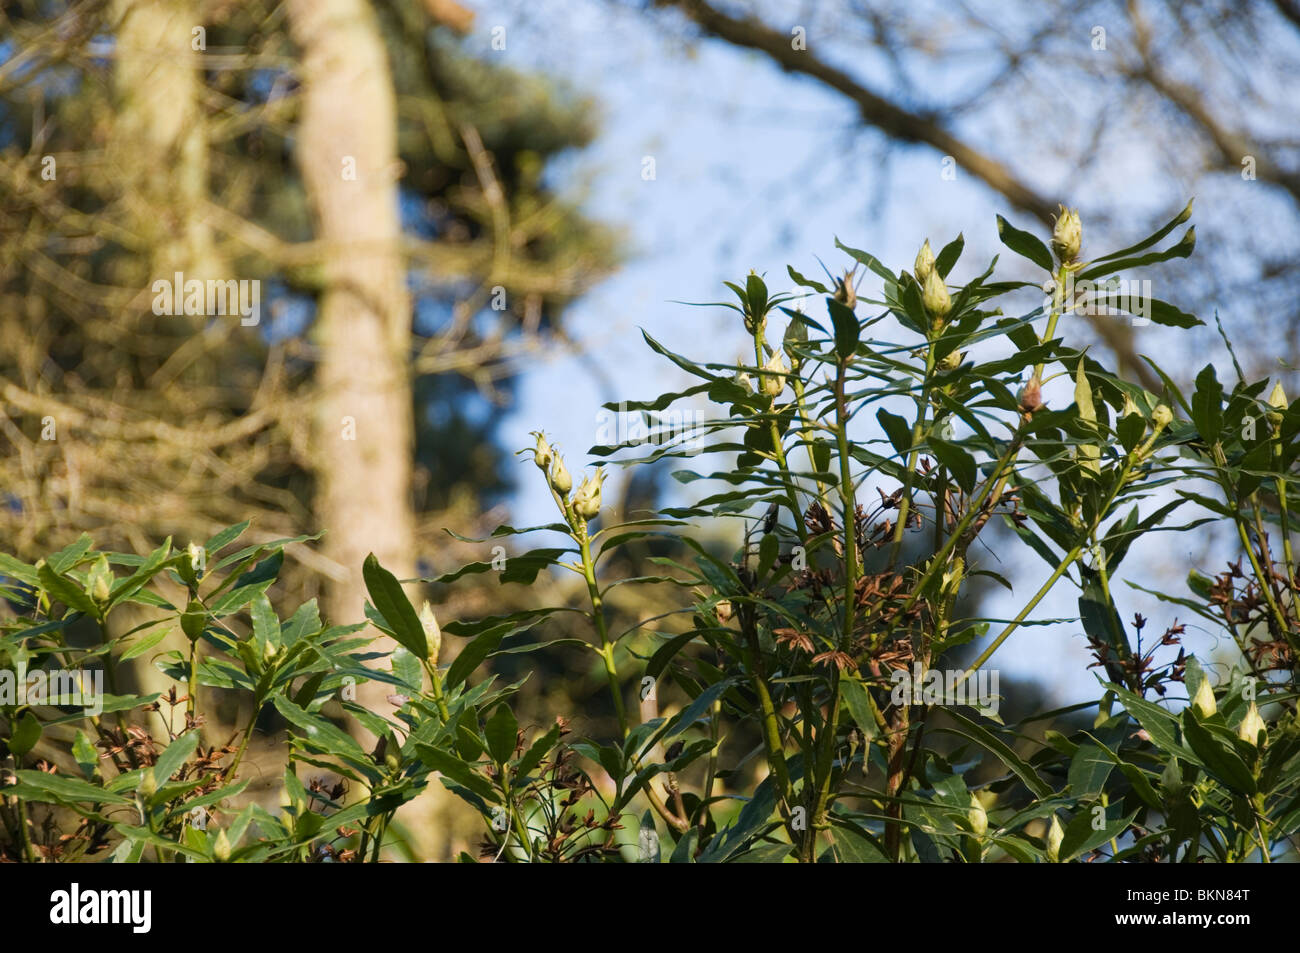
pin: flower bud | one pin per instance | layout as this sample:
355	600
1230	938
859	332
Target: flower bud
221	847
723	610
1031	396
1067	236
100	579
924	262
796	335
741	378
1129	407
193	619
148	785
952	360
772	383
1054	837
432	634
1203	702
542	453
561	482
198	559
1162	416
1276	400
935	296
269	652
978	817
586	502
845	293
1251	726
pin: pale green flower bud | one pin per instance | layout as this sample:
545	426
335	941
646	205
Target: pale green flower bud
1276	400
148	785
796	335
952	360
561	482
542	453
1129	407
269	652
1067	237
100	579
772	383
221	847
432	634
1055	834
1203	702
924	263
1162	416
1250	727
741	378
586	502
935	296
978	817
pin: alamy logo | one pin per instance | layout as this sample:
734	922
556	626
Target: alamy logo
211	297
920	686
74	906
81	687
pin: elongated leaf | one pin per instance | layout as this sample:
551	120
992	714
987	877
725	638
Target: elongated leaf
387	595
1024	244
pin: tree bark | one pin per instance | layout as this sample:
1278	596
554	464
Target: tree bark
363	432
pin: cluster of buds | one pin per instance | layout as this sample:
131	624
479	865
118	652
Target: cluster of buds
586	501
1067	236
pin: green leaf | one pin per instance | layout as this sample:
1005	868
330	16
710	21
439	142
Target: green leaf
457	771
897	430
959	463
946	258
855	698
1207	405
387	595
1181	250
847	329
1024	244
1082	836
60	789
174	756
537	751
501	732
319	732
145	644
473	654
66	591
1150	240
982	736
85	754
1220	760
1089	769
25	735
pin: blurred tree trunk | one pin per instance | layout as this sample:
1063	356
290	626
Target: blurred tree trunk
362	442
159	145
